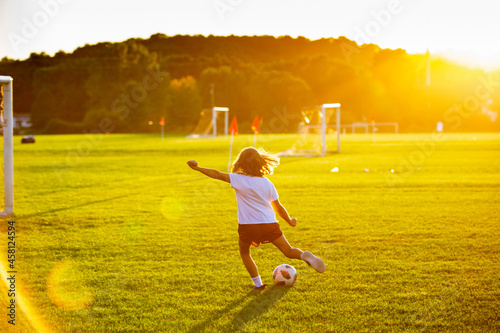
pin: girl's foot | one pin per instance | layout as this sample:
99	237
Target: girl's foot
313	261
260	288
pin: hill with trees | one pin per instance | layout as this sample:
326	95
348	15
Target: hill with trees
140	80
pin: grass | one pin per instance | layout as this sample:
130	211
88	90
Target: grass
116	234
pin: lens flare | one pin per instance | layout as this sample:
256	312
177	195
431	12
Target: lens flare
29	318
172	208
66	289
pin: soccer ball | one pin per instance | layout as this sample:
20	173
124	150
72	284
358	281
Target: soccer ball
284	275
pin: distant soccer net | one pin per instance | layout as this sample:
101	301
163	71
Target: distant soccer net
6	119
207	123
372	127
319	129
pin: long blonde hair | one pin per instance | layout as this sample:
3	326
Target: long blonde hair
255	162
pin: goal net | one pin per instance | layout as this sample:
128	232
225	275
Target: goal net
6	119
208	121
318	131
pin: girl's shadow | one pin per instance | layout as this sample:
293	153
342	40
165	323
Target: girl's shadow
259	303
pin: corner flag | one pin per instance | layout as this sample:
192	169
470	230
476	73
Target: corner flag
162	124
255	125
234	127
234	131
255	129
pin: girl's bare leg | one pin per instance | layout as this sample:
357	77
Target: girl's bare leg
282	244
247	259
294	253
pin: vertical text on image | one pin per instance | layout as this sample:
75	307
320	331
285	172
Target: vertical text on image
11	272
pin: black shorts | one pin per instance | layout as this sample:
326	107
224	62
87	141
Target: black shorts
259	233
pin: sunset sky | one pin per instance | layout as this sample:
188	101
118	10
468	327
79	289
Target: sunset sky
466	31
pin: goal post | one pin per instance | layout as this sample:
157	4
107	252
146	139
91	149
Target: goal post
318	123
7	120
216	109
207	123
335	106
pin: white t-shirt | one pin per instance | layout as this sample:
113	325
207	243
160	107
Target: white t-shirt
254	196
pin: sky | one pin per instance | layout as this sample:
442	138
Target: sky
465	31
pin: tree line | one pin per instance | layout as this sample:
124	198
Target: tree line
132	84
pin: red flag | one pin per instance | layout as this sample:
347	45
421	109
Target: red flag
373	119
255	125
234	127
162	121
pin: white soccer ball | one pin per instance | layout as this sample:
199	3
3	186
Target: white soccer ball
284	275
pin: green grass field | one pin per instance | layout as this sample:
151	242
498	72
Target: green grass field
116	234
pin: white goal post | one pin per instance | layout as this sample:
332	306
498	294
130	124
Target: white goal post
7	117
323	125
206	125
313	132
366	126
216	109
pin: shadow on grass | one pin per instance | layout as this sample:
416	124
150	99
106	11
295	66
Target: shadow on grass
74	206
259	302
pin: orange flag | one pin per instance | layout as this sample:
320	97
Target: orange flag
255	125
234	127
162	121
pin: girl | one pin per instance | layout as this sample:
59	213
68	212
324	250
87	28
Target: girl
256	198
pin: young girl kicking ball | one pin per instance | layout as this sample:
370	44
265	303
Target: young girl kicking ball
258	201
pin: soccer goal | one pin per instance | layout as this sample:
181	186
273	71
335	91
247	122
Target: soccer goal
319	128
376	126
367	127
7	117
207	124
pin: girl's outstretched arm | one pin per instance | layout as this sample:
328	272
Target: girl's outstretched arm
278	207
212	173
